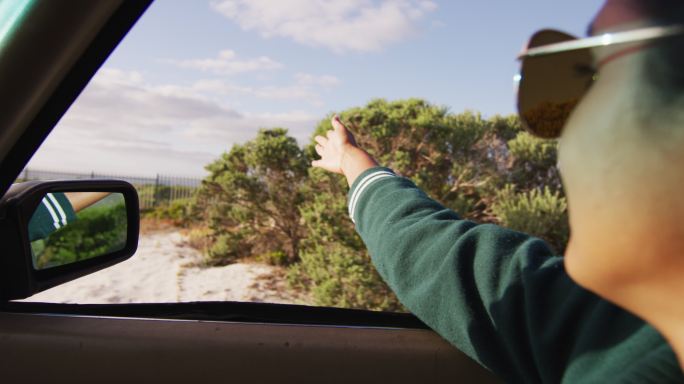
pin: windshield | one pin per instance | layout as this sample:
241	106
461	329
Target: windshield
210	108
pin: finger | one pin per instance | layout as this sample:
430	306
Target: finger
319	149
337	124
321	140
329	134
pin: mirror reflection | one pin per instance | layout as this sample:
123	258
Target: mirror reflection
67	227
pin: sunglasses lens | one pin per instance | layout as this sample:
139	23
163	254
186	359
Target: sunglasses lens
551	85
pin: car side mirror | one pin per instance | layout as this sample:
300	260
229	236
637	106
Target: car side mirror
56	231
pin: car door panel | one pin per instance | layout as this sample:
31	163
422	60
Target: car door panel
43	69
76	348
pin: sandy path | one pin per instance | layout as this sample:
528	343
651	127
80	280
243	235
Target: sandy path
156	273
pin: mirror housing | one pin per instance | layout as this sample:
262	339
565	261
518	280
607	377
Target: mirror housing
18	276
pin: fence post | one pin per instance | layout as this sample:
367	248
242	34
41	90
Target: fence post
172	188
156	191
26	174
172	192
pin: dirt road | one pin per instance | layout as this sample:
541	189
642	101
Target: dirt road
158	273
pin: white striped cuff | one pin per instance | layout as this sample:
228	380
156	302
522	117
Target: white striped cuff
362	185
55	210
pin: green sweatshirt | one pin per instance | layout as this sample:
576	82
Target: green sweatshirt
500	296
53	212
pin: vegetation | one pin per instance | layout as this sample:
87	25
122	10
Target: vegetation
262	199
98	230
176	211
539	212
252	196
153	196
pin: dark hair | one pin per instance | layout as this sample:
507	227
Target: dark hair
664	66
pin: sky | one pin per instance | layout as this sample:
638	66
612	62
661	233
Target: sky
192	78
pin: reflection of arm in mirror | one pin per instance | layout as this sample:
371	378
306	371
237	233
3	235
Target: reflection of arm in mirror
54	211
80	200
58	209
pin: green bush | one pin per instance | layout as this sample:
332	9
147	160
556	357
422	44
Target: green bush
533	162
334	265
541	213
199	238
278	258
98	230
338	276
262	199
226	248
251	198
178	211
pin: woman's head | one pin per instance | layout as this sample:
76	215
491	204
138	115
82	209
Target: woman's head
622	158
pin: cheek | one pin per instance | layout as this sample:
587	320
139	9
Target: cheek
625	197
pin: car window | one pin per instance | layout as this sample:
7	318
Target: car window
210	108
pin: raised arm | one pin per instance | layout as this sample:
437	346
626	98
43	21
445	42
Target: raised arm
498	295
81	200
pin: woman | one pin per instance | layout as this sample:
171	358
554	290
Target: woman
501	296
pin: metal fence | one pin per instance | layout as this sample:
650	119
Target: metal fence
152	191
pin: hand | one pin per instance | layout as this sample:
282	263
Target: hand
333	146
340	154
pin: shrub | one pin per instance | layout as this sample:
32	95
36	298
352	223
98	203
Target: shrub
278	258
540	213
533	162
338	276
226	248
199	238
262	198
177	211
251	198
98	230
334	265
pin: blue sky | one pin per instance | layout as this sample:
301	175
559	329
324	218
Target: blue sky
194	77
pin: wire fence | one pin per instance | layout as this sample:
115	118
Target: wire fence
152	191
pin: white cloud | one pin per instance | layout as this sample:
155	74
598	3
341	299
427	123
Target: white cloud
300	124
306	87
339	25
121	124
228	63
325	81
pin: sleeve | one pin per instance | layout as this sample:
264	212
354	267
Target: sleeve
53	212
500	296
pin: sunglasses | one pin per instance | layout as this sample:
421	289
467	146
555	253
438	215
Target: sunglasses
557	70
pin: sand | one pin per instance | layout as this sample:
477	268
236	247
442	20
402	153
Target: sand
159	272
